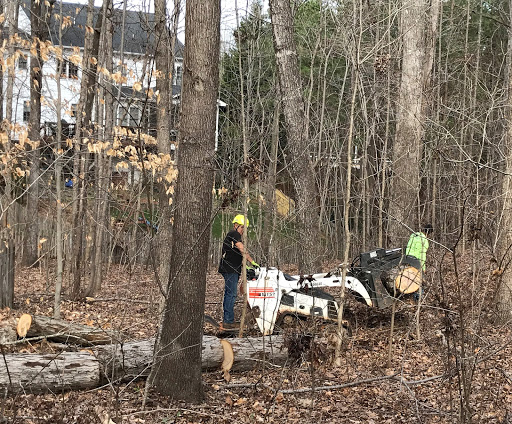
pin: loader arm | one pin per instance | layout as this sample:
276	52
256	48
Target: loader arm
266	292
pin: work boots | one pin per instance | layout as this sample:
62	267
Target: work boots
230	326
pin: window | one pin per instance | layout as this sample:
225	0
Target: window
69	70
123	115
22	62
26	110
134	116
130	116
179	75
72	70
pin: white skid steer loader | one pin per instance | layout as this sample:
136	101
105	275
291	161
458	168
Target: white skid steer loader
374	278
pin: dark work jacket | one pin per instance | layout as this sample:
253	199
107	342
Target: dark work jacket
231	260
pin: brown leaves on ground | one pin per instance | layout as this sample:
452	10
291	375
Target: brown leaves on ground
422	385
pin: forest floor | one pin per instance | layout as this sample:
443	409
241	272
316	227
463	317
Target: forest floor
454	364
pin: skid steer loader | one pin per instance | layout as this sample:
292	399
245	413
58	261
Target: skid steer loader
374	278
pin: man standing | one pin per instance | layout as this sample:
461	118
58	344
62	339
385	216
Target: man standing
230	267
418	244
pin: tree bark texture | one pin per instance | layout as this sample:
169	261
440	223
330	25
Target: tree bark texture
164	58
301	168
38	22
83	127
103	169
178	372
59	251
34	373
59	330
406	153
6	273
504	298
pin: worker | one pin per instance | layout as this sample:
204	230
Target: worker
230	267
418	244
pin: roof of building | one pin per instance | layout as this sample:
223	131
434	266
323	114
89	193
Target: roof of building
138	28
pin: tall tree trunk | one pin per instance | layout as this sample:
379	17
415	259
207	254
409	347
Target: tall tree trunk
83	128
103	171
12	19
177	368
39	18
301	167
164	62
58	184
406	153
504	299
7	237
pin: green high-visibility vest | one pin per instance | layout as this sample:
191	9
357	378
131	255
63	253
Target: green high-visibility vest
417	247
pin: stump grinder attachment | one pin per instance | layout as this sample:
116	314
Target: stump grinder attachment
375	278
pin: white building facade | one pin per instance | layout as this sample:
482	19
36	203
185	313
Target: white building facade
138	46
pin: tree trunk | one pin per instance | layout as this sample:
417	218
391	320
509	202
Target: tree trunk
58	184
6	274
357	29
504	299
33	373
83	127
12	19
39	18
164	63
178	367
406	154
301	168
103	170
7	237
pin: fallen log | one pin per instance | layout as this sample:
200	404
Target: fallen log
35	373
32	373
63	331
7	333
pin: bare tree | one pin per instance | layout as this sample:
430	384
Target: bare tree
7	248
505	234
58	183
301	168
103	172
407	147
39	18
83	128
165	41
178	364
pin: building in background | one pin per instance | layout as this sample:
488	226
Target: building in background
135	109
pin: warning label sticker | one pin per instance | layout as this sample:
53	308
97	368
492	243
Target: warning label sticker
267	293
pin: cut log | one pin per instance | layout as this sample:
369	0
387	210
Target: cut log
227	361
33	373
63	331
24	324
122	362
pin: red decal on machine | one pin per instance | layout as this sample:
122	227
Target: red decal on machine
266	292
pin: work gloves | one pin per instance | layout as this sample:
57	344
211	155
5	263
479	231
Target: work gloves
254	264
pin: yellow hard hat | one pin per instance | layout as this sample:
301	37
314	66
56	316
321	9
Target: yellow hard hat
241	220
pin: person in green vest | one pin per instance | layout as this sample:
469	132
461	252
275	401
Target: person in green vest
418	244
